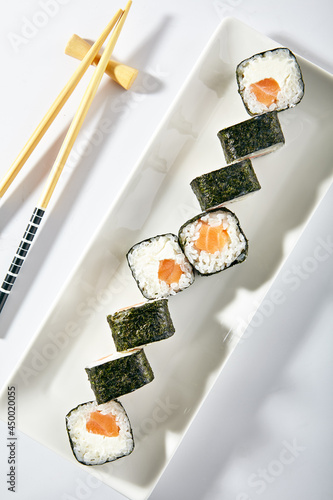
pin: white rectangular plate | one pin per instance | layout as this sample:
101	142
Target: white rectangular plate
210	316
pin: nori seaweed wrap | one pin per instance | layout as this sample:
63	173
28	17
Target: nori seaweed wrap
251	138
213	241
99	433
270	81
119	374
141	324
159	266
226	184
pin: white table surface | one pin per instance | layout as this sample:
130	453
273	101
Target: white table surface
265	430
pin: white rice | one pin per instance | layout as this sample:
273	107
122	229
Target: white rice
205	262
95	449
144	259
279	64
113	357
260	152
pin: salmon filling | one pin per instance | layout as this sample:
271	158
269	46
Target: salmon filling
169	271
266	91
104	425
211	238
129	307
104	357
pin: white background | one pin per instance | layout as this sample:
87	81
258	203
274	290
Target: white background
275	392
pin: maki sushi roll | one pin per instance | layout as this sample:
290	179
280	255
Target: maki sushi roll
141	324
269	81
251	138
213	241
99	433
119	374
159	266
226	184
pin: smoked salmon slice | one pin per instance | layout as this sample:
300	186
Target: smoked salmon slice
105	425
169	271
211	238
266	90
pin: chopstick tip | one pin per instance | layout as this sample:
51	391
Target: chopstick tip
128	6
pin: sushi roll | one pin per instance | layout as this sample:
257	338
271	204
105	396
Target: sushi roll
213	241
226	184
119	374
99	433
270	81
159	266
141	324
251	138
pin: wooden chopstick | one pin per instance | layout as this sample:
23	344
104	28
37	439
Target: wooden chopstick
59	163
56	107
80	114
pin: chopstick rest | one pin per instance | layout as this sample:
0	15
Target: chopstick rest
123	74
